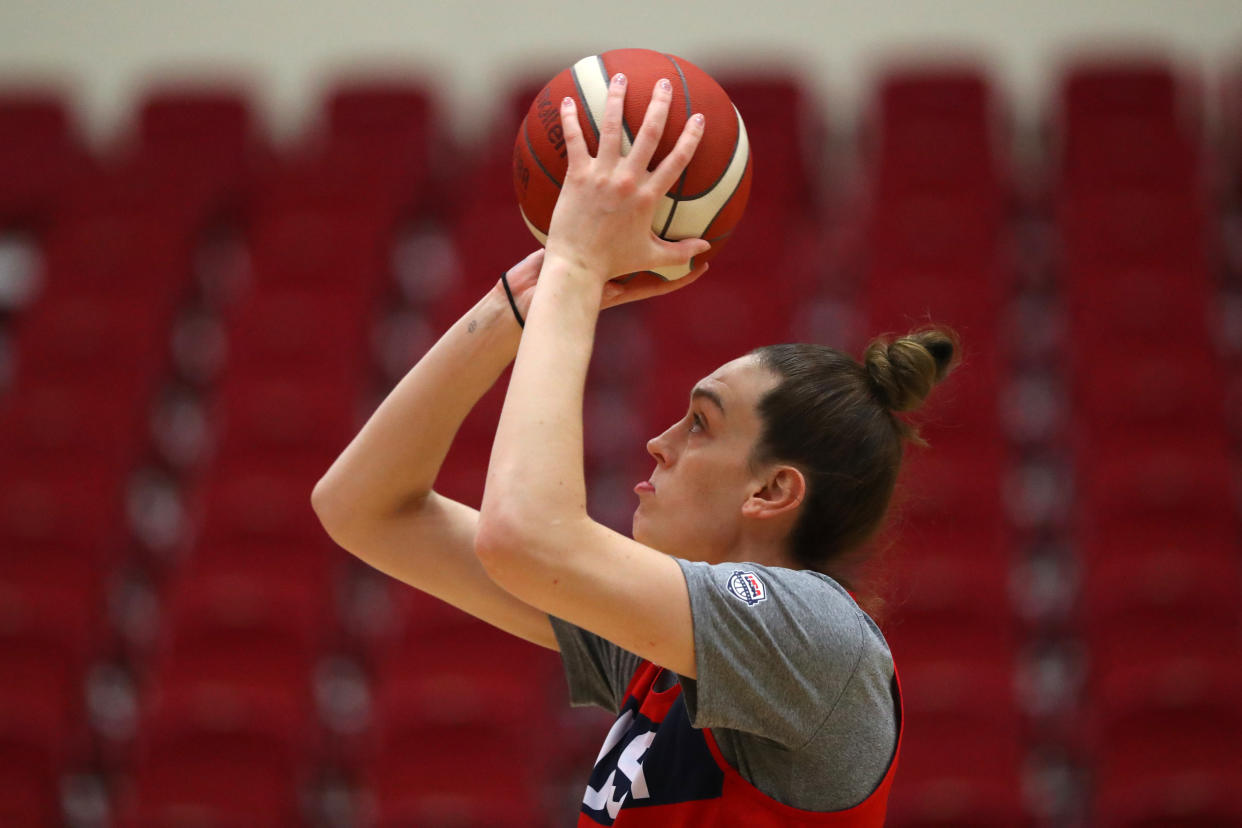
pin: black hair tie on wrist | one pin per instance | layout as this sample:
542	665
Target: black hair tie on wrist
504	280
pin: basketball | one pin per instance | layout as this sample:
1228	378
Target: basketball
708	199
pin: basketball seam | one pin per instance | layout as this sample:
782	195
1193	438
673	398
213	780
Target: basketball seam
681	182
727	201
737	142
573	74
535	155
608	80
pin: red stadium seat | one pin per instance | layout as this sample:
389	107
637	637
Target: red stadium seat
251	658
1159	387
1131	152
284	414
936	686
249	498
783	127
488	178
937	132
1102	541
1139	303
213	119
29	781
1198	800
468	672
225	601
87	339
934	577
40	155
207	761
194	150
464	471
41	420
1173	724
943	633
372	151
1158	636
1162	583
1132	228
1124	125
929	92
959	768
899	298
289	330
457	785
488	238
65	503
331	249
313	567
116	253
952	492
962	415
43	696
1179	479
945	231
399	111
1136	87
448	685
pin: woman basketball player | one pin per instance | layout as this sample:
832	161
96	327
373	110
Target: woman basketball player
750	687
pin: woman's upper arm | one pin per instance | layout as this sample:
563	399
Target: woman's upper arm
600	580
776	649
430	546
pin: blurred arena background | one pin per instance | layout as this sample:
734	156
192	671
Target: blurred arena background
227	229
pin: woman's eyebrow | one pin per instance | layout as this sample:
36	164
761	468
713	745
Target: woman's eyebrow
702	393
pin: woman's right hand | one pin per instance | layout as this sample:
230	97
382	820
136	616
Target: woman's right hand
524	276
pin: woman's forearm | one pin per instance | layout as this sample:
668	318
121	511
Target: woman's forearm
393	461
536	470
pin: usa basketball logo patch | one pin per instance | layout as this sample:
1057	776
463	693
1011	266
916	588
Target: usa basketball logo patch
746	586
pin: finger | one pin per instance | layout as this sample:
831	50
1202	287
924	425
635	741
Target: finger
675	163
575	145
648	286
649	133
610	125
526	272
680	252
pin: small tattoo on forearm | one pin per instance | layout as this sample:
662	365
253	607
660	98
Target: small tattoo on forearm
473	325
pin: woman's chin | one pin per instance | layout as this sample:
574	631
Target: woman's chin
642	530
638	527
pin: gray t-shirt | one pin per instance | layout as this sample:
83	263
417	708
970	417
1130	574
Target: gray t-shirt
794	680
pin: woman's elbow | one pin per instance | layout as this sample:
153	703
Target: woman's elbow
496	544
330	509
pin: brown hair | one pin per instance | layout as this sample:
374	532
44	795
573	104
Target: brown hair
834	418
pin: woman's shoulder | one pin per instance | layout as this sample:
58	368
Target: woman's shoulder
813	601
872	637
755	584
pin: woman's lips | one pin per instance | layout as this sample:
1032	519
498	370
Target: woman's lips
644	487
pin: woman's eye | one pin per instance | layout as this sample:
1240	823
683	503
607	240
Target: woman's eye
696	423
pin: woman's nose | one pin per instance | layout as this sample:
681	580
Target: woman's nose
657	450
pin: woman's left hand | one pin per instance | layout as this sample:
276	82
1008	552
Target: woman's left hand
523	278
602	220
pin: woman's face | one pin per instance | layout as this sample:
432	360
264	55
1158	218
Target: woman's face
692	505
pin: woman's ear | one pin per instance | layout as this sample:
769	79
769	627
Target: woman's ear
781	492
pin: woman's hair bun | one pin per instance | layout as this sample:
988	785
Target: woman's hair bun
904	370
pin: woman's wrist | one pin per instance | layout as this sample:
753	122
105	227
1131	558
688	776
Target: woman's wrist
567	266
494	312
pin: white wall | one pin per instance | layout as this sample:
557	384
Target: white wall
108	49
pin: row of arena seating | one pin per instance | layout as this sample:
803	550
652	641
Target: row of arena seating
1156	522
213	317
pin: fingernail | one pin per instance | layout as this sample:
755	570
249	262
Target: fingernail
619	79
665	85
699	119
567	102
